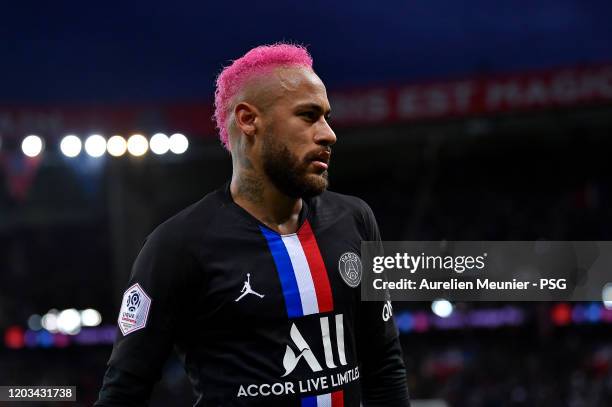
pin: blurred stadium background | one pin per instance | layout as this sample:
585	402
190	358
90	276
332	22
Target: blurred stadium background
475	121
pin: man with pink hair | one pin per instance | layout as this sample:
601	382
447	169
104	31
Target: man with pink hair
257	285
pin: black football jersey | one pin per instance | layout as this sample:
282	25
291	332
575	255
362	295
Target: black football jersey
260	318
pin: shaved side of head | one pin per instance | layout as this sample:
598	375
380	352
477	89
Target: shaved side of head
251	79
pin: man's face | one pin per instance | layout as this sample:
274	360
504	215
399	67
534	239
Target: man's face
296	143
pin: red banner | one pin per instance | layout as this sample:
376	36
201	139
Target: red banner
55	122
561	88
438	100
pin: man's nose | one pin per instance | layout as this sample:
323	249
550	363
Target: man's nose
325	135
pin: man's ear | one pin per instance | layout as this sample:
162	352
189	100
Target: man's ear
246	117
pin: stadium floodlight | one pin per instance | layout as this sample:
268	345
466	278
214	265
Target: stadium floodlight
95	145
69	321
607	295
178	143
32	145
71	146
90	317
442	308
116	146
159	143
137	145
49	321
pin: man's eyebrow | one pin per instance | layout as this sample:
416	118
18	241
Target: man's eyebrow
314	106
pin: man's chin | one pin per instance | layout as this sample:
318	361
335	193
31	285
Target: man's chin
314	184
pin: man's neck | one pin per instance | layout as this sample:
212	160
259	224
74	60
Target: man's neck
259	197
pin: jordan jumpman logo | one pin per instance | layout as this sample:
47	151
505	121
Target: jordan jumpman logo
246	289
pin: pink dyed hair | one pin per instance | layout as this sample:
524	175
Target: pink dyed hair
257	61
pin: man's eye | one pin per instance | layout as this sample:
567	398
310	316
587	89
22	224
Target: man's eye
312	116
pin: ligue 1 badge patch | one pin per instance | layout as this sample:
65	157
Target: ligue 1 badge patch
349	266
134	310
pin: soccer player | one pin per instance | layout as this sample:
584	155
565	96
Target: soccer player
257	284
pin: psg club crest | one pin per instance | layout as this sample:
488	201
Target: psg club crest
349	266
134	310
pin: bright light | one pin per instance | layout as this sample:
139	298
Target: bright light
137	145
90	317
116	146
34	322
71	146
69	321
607	295
442	308
95	145
32	146
178	143
49	321
160	143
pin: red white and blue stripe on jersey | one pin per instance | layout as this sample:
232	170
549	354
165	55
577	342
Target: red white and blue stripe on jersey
335	399
301	271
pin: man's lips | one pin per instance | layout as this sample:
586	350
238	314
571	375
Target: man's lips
320	164
321	160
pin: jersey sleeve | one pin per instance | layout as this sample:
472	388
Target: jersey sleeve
123	389
384	380
150	319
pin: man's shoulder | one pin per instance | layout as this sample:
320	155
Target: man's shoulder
341	203
335	199
195	217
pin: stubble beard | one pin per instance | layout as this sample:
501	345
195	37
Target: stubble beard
290	175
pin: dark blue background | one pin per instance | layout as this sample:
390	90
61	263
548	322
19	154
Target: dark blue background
171	51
